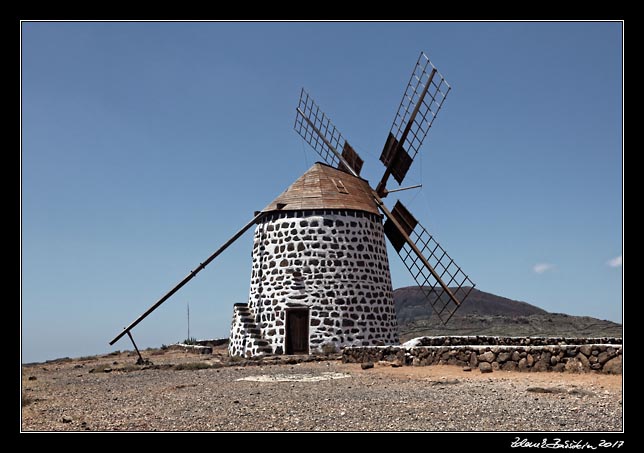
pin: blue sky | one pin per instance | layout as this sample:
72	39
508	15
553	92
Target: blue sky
146	145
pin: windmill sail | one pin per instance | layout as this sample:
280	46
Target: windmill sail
318	131
421	102
442	281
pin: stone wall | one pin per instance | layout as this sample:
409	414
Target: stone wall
333	263
505	353
486	340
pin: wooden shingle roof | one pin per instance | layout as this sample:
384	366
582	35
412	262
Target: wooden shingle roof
325	187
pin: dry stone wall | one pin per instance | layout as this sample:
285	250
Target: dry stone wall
488	340
333	263
505	353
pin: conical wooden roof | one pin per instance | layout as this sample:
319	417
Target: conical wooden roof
325	187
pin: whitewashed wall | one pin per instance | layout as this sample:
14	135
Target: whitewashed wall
335	263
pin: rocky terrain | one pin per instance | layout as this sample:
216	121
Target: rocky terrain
183	391
488	314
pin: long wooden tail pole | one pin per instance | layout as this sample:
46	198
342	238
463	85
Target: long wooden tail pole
189	277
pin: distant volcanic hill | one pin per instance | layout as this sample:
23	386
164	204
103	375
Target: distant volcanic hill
488	314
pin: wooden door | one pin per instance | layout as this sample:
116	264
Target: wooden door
297	331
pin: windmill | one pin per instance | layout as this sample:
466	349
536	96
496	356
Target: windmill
320	273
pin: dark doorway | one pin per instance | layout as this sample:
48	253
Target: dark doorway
297	331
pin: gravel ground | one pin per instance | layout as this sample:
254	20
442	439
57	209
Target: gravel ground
314	396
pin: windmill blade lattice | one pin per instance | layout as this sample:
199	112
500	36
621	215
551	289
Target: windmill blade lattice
318	131
426	92
449	273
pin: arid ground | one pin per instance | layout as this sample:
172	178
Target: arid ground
189	392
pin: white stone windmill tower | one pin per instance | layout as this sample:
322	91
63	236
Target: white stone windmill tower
320	271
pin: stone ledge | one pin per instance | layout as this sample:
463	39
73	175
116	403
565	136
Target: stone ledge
194	348
473	340
564	355
213	342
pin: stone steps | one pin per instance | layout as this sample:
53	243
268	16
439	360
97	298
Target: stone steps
252	331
